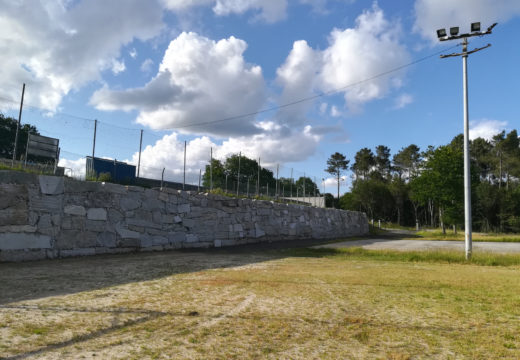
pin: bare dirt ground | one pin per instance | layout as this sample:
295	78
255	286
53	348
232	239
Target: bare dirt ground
253	303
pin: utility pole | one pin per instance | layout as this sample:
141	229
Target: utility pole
92	171
454	35
18	127
140	148
184	178
238	176
258	182
211	170
291	180
277	170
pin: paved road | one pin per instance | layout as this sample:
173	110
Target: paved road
395	243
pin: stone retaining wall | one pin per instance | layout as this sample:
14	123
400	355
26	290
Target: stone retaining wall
48	217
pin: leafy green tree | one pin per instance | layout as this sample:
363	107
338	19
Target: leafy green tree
229	168
371	196
219	175
407	161
336	164
306	186
8	134
363	163
382	161
481	154
399	190
442	181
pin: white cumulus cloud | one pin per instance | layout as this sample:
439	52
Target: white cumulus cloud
199	81
360	53
57	46
403	100
485	128
267	10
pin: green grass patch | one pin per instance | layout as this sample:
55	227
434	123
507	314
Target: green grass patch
459	236
447	257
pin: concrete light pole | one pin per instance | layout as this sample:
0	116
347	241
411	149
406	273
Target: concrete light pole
454	34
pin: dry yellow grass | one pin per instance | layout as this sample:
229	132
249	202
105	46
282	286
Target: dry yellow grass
214	305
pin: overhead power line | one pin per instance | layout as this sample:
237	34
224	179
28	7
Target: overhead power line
258	112
317	96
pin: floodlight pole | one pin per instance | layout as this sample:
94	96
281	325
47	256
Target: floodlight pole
468	243
467	173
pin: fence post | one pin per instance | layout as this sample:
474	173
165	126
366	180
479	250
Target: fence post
211	170
238	176
184	177
140	147
18	127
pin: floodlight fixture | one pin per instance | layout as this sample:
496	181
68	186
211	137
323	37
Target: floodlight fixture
441	33
475	27
454	31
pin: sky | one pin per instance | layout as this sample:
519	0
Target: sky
287	81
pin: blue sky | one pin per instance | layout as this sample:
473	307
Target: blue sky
178	69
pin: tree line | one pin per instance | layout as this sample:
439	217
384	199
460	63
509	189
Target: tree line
427	187
251	178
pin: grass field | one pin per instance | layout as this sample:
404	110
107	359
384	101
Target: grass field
277	304
459	236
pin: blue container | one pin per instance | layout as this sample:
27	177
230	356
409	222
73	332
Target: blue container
119	171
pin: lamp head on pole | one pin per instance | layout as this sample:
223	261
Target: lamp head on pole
441	33
475	27
454	31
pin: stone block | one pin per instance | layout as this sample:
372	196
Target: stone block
129	243
44	221
74	239
157	217
115	216
127	234
129	203
106	239
217	243
238	227
18	229
189	223
177	237
152	204
78	252
12	195
17	177
168	219
137	221
77	210
19	241
46	203
22	255
171	208
96	225
76	187
97	214
114	188
184	208
191	238
101	199
73	223
13	216
258	231
51	185
160	240
146	241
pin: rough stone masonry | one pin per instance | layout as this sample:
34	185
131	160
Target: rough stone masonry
49	217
